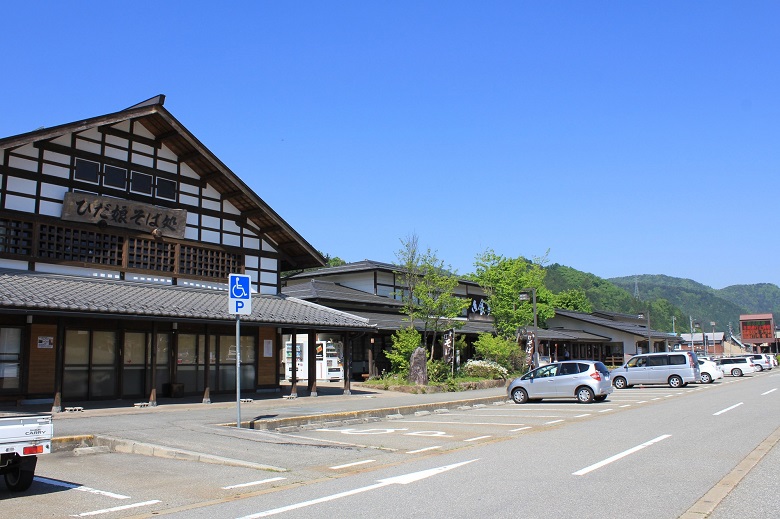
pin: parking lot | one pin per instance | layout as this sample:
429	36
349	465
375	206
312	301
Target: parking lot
111	484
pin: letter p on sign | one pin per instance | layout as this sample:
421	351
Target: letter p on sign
240	294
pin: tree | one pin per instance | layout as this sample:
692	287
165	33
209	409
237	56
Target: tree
436	305
503	280
573	299
428	291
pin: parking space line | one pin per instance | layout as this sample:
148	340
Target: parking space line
116	508
606	410
461	423
727	409
80	488
552	422
337	467
425	449
616	457
253	483
477	438
770	391
520	429
626	405
582	415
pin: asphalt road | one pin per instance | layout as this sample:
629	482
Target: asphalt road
645	452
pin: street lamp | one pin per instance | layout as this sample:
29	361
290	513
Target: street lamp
712	323
696	324
524	296
649	340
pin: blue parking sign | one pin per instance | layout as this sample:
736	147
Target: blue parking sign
240	294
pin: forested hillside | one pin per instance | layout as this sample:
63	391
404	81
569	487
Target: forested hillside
608	296
704	304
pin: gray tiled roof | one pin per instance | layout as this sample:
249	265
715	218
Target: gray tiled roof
33	293
359	266
316	289
396	321
616	325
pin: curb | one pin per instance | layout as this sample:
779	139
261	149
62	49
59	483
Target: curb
367	415
89	444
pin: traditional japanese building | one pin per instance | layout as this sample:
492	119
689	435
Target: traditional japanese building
117	237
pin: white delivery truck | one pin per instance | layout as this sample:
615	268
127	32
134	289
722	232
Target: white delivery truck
22	438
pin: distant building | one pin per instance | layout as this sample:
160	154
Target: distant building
758	331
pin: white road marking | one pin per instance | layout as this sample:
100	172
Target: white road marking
727	409
624	405
80	488
397	480
253	483
582	415
770	391
552	422
462	423
116	508
425	449
337	467
520	429
616	457
477	438
606	410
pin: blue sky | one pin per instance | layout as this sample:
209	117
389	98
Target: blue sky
624	137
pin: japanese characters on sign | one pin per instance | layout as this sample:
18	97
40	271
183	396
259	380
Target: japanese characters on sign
753	330
160	221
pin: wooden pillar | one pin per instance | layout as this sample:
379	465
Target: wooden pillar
312	363
206	367
59	367
347	363
153	364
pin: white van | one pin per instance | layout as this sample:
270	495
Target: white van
677	368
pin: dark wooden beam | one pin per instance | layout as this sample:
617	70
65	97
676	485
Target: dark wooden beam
109	130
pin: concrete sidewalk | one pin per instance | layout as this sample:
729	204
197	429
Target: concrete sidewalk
186	428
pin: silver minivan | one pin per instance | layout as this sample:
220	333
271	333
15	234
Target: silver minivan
676	368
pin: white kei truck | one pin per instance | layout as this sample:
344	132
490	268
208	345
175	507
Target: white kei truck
22	438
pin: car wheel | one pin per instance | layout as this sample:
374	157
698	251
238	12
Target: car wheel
759	367
20	478
620	383
584	395
706	378
736	372
600	398
519	395
675	381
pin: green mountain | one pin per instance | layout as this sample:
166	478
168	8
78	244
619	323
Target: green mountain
697	301
673	301
611	297
761	298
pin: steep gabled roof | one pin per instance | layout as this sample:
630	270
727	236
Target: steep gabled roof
54	294
295	252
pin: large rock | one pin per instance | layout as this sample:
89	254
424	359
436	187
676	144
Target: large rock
418	368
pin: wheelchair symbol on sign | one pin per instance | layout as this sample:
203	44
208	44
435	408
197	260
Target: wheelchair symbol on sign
238	290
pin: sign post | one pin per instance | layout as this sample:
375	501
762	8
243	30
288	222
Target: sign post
239	303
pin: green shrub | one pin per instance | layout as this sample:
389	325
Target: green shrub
497	349
438	371
405	341
485	369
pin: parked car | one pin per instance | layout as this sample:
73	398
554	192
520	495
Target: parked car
761	360
736	366
677	369
710	371
585	380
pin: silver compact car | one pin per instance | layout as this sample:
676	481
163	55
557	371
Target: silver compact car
585	380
